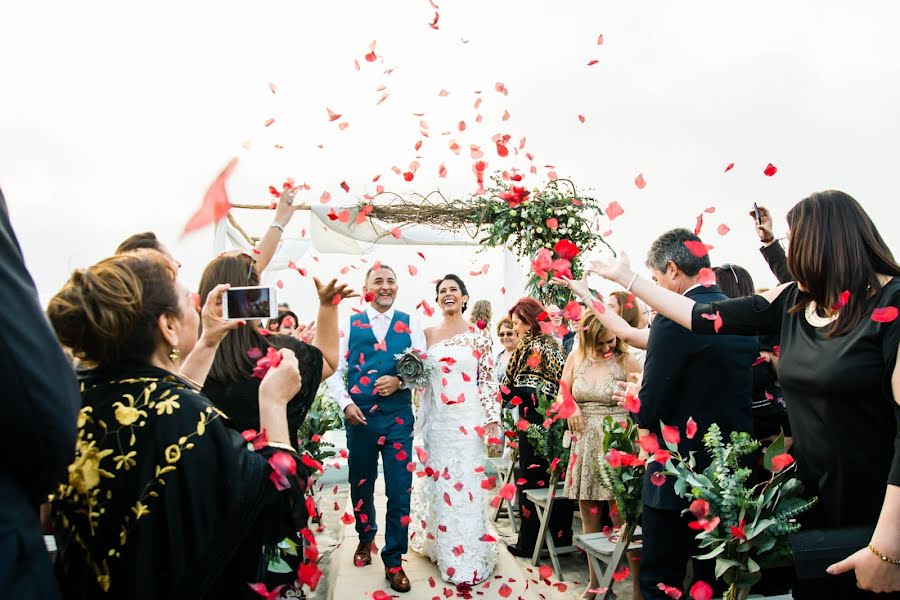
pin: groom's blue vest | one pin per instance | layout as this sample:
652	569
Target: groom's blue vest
365	364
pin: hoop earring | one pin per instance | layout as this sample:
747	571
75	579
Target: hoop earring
174	354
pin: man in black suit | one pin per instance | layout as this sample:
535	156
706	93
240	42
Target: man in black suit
40	403
704	377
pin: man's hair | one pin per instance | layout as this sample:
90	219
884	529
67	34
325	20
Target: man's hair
146	239
670	247
376	267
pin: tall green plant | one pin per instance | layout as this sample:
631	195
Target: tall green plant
324	415
619	469
744	527
548	438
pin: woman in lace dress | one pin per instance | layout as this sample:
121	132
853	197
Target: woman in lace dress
591	372
450	515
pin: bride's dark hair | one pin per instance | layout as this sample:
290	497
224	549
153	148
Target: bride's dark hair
459	282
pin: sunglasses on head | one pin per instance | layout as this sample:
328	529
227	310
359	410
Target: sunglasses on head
731	268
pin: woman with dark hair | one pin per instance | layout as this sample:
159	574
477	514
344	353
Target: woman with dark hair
769	414
839	340
233	388
231	384
450	511
534	369
164	498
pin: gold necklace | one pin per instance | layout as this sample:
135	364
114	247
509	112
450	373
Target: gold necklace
813	318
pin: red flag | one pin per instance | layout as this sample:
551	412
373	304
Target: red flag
215	203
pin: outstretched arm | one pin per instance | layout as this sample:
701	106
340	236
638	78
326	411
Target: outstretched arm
632	336
327	337
284	211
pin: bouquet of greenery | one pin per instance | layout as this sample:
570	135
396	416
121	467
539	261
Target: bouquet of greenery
550	440
324	415
619	469
415	368
744	527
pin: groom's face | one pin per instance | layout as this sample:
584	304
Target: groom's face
383	284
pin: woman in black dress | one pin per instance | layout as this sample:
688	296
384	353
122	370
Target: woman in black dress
838	370
231	384
534	368
234	390
164	498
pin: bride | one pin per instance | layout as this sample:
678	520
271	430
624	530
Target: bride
450	522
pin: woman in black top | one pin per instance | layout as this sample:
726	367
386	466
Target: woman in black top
164	498
231	385
838	370
534	368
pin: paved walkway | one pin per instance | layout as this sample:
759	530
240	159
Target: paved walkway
345	580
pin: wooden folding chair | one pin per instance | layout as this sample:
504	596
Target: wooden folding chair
543	499
506	470
606	555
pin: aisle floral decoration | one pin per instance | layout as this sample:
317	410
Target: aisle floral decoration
324	416
744	527
550	227
620	470
550	439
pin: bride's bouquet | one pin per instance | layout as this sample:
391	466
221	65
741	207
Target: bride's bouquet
415	368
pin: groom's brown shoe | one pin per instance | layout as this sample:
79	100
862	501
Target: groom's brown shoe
363	554
399	580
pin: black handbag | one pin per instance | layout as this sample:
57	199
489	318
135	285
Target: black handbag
816	549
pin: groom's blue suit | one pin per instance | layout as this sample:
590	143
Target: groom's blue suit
388	432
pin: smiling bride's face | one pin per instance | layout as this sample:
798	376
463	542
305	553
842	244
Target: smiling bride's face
450	297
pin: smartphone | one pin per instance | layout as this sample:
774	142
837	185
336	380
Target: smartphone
244	303
756	213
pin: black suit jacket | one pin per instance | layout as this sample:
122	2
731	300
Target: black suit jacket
706	377
38	411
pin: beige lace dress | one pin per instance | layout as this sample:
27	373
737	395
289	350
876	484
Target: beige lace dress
592	388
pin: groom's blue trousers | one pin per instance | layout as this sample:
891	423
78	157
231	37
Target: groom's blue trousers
396	425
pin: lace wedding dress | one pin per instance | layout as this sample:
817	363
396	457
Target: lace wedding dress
449	520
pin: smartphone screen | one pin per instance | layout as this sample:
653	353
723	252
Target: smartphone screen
249	303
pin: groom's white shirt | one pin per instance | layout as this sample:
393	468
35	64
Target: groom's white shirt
380	322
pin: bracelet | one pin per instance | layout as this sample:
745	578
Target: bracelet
196	386
886	559
628	289
281	445
278	226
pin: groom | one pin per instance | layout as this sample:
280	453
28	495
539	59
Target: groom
379	417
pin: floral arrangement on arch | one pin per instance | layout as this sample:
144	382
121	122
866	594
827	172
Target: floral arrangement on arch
744	527
549	227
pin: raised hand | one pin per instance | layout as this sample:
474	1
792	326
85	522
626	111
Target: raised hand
215	327
305	333
764	227
285	209
579	287
281	382
616	269
329	291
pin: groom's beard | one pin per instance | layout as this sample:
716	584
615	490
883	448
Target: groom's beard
384	302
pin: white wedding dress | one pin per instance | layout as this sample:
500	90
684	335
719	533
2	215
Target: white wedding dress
449	518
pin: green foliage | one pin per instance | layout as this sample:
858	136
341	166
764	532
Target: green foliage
624	482
548	441
324	415
524	228
766	511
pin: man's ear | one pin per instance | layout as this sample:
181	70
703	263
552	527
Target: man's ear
671	270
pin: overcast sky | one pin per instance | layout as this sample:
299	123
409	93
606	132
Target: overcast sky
114	119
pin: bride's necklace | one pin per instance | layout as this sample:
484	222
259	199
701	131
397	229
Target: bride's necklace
813	318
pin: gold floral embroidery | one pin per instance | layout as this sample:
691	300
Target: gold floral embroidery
168	405
126	415
85	472
125	461
84	499
173	453
140	509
